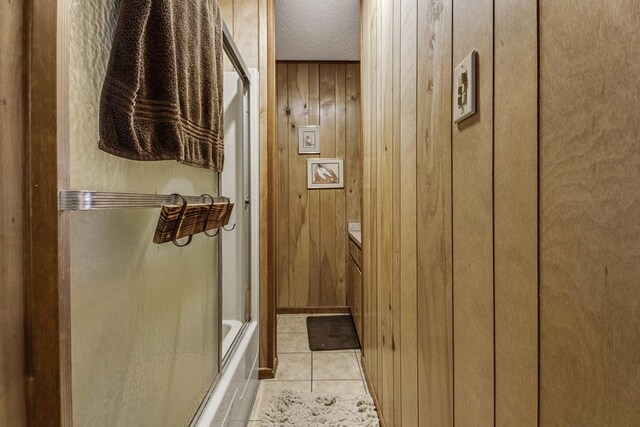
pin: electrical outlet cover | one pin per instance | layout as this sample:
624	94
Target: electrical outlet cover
464	88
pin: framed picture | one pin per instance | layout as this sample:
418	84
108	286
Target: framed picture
309	140
325	173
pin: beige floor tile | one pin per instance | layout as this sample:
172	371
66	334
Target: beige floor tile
335	366
294	366
290	324
293	343
268	388
254	424
342	387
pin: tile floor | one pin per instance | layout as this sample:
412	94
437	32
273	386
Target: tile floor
301	369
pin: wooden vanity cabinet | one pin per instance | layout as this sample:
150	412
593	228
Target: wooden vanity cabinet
354	286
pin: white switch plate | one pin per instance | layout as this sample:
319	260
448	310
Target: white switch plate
464	88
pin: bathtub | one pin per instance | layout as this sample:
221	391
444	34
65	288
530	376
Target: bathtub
230	330
232	398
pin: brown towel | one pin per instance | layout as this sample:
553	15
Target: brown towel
162	96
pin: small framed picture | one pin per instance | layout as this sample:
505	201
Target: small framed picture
325	173
309	140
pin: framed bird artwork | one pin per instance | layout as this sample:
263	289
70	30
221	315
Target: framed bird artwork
325	173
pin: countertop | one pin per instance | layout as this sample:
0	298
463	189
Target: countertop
355	233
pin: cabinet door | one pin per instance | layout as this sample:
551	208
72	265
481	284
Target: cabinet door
357	301
350	279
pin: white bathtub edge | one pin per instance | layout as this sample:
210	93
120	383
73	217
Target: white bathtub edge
224	401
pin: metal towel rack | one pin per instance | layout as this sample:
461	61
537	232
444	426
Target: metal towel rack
71	200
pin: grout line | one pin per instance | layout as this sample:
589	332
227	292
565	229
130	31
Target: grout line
312	371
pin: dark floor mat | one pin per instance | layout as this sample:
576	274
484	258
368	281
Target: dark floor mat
332	333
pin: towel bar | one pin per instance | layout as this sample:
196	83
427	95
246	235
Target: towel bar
71	200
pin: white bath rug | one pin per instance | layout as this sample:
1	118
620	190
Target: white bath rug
295	408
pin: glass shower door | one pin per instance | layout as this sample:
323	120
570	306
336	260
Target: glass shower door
235	184
144	317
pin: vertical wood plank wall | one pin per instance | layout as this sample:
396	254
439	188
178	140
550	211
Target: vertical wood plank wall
12	392
472	161
406	68
434	251
589	213
312	224
435	197
516	212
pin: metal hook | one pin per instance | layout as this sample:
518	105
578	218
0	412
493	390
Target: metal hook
234	225
176	231
206	222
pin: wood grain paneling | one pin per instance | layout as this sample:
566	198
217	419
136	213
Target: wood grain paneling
312	236
340	195
314	196
589	213
407	348
281	197
443	210
472	163
328	220
434	251
368	73
12	392
353	184
384	224
396	208
515	207
298	212
406	66
48	358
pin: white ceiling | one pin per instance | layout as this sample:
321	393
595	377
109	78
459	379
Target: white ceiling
318	30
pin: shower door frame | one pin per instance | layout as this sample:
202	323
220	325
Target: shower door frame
46	228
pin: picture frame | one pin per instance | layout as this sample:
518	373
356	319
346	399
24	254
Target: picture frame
309	139
325	173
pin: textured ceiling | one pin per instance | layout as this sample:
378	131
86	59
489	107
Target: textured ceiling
318	30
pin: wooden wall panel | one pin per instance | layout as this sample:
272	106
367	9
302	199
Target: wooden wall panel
433	182
354	151
282	185
12	379
328	220
407	209
368	72
516	219
298	213
340	195
434	251
384	225
472	163
314	196
312	224
589	213
397	206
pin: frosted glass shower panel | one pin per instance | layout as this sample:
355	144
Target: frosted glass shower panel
145	317
235	243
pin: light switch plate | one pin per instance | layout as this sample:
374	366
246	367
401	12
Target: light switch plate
464	88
